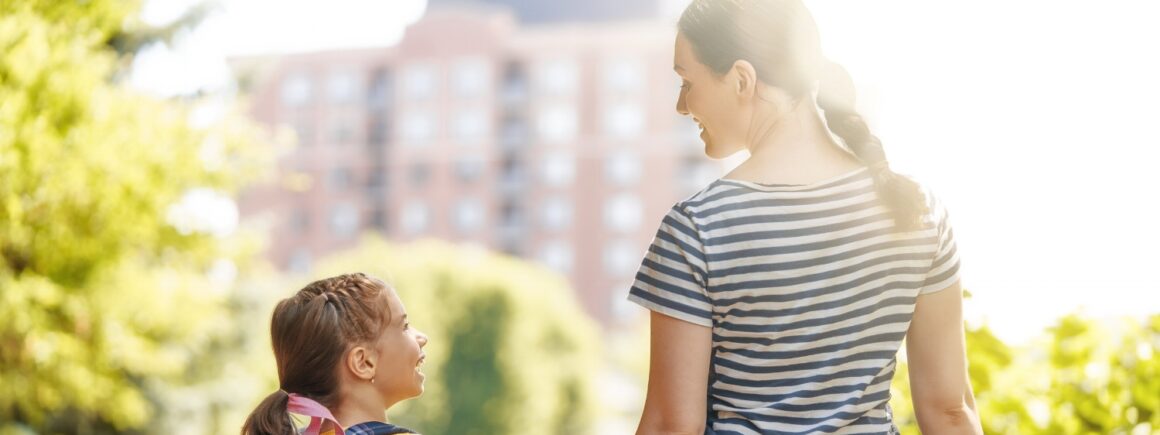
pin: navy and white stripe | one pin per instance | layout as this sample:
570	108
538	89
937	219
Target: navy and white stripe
809	290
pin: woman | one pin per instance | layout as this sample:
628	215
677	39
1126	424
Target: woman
781	293
346	353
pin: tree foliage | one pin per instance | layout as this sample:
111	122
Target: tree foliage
510	351
107	305
1083	377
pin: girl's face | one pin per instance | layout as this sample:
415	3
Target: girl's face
711	101
400	349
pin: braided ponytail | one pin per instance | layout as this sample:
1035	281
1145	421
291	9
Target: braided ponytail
836	98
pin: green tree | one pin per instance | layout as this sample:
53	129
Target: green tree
510	351
110	306
1082	377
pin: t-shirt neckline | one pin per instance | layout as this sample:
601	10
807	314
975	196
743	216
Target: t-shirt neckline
837	179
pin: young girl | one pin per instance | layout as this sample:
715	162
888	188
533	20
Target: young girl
782	292
345	353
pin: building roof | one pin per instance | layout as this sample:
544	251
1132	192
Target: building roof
540	11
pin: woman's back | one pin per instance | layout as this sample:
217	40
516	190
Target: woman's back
809	291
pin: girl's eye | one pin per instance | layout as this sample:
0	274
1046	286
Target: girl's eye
406	326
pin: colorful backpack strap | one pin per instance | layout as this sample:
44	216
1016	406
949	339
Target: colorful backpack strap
322	422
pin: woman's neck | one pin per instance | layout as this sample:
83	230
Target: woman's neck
795	148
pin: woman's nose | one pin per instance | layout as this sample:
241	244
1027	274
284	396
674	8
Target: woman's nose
681	107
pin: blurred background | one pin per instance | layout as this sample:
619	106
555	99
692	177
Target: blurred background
169	169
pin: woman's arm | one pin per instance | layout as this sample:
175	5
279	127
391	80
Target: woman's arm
678	378
937	357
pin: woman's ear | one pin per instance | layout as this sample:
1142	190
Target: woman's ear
360	361
745	77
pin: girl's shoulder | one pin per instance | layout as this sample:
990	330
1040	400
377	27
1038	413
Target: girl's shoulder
377	428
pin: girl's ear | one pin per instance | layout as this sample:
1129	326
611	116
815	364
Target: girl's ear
361	363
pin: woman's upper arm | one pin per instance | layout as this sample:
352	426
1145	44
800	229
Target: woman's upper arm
936	356
678	377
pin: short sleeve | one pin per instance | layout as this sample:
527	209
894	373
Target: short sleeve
672	277
944	270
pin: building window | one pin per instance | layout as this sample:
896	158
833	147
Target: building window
624	75
512	216
468	168
557	255
622	168
621	258
304	131
339	179
622	213
378	219
296	90
341	130
558	124
471	77
515	84
624	121
688	133
559	77
621	308
300	220
415	219
419	174
342	86
420	82
512	175
418	128
299	261
377	129
556	214
344	220
514	133
559	169
696	172
468	215
470	127
379	91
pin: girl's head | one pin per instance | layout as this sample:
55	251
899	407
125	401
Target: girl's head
341	341
741	60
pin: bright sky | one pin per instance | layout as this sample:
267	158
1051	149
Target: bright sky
1034	120
240	27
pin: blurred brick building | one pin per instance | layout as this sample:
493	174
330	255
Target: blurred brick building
555	142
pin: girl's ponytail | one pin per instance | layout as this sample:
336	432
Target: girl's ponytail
271	417
836	98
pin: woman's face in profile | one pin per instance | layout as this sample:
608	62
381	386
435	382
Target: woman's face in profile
709	100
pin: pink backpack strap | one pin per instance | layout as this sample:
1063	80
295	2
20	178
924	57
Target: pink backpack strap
322	422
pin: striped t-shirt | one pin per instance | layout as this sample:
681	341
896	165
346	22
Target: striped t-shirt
809	290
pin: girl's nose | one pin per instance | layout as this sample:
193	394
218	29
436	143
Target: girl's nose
421	338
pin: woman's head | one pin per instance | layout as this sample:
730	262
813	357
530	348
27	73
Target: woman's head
341	339
744	58
733	53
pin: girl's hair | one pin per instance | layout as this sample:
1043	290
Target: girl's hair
780	39
311	332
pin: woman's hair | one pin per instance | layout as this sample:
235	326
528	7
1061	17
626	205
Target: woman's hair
780	39
311	332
